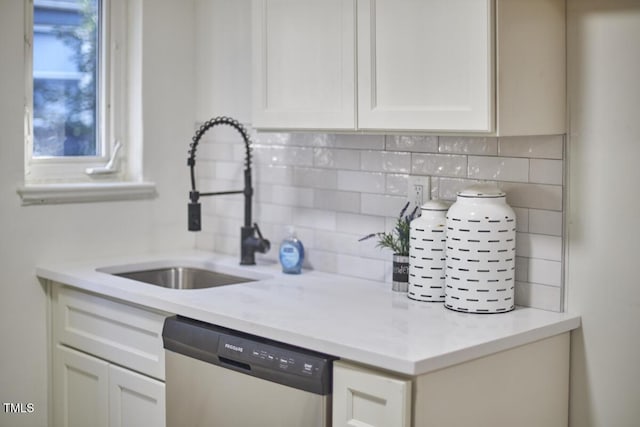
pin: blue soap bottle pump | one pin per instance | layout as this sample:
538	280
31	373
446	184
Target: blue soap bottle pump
291	253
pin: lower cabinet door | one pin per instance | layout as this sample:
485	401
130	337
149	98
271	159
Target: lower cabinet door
135	400
88	391
81	384
363	397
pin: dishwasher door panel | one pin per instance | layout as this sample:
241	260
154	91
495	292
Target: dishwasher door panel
200	394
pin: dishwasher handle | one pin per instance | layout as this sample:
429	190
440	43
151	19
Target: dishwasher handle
234	363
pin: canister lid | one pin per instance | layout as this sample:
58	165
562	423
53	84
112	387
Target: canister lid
482	190
434	205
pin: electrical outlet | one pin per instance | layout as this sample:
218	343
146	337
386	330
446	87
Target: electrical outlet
419	190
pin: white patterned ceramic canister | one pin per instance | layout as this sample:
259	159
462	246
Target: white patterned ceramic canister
427	242
480	252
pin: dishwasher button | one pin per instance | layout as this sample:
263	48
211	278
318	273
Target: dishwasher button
283	363
307	368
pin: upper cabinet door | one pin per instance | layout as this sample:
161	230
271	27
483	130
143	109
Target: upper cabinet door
304	64
425	65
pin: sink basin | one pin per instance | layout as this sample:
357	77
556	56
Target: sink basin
183	277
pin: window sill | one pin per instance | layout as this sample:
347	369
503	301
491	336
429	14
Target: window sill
47	194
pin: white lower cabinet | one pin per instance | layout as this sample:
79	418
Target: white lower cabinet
81	389
105	355
363	397
92	392
526	386
134	399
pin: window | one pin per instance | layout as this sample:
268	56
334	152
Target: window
66	78
77	104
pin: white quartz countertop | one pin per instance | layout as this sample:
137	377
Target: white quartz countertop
353	319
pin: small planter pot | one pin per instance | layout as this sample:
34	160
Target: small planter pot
400	280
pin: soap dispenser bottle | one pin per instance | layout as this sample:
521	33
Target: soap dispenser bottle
291	253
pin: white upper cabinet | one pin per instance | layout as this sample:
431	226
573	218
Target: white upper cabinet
425	65
304	64
489	67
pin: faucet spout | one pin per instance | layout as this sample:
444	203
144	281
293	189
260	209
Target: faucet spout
249	243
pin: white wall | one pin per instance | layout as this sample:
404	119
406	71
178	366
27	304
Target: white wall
603	284
36	234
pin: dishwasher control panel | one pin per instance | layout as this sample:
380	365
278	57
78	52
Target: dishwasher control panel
269	356
257	356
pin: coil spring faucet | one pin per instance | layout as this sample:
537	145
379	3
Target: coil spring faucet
249	243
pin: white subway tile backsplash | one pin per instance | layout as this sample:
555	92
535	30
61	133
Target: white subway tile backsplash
218	184
278	155
213	150
226	244
468	145
227	170
359	142
418	144
366	182
334	158
225	207
273	174
338	188
315	178
535	196
273	138
545	222
539	246
546	171
397	184
291	196
221	226
499	168
435	187
385	161
205	241
439	164
313	139
339	201
545	272
448	188
318	259
268	212
349	244
539	296
359	225
540	147
314	218
522	269
381	204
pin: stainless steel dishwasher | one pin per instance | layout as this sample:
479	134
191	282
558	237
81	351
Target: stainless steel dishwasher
224	378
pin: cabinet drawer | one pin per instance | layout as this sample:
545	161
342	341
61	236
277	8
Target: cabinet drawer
115	331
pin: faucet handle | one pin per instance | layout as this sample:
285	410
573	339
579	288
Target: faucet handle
255	226
263	244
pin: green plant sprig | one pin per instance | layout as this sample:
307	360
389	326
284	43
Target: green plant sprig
397	239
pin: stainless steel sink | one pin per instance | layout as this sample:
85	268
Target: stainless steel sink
183	277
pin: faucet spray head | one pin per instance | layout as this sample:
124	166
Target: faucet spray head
194	217
195	221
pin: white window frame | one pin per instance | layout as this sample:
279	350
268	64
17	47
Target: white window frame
95	178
